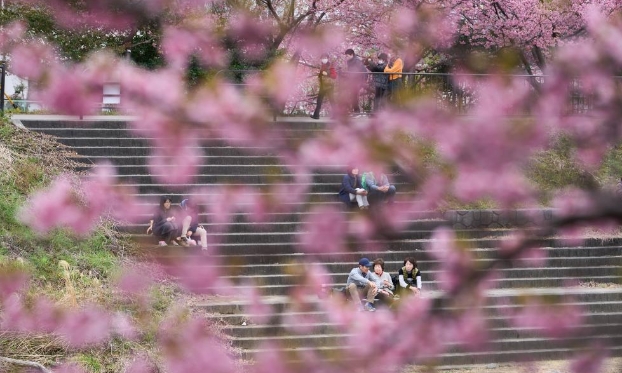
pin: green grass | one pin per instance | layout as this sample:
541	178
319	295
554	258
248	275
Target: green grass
89	362
91	255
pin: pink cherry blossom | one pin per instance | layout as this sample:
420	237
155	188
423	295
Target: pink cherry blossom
455	261
89	326
11	282
590	361
324	230
551	320
62	205
200	349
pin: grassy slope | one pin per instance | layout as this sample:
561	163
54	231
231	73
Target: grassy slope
30	161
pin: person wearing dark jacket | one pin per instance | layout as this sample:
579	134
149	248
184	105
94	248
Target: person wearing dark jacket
352	190
163	224
354	79
326	76
380	79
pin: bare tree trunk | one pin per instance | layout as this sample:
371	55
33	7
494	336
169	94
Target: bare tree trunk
532	79
25	363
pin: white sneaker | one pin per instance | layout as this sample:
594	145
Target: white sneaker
162	243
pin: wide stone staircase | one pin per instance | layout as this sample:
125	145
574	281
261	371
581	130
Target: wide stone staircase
268	256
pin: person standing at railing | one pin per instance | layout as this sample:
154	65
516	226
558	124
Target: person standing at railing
380	79
394	69
354	80
326	76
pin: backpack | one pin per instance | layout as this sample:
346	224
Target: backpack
366	176
396	282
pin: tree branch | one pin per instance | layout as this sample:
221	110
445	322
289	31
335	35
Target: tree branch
132	45
532	80
25	363
273	12
539	56
292	10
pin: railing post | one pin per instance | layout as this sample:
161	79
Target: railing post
2	80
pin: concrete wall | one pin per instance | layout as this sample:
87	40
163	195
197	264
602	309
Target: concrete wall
478	219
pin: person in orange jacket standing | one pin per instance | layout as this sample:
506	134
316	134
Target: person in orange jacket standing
394	68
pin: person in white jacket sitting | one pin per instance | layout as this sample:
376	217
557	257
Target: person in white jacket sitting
383	282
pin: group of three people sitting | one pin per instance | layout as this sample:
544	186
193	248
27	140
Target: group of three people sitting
361	189
166	228
378	284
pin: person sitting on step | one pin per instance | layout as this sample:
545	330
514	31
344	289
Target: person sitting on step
193	233
384	282
379	189
361	284
352	190
163	225
409	277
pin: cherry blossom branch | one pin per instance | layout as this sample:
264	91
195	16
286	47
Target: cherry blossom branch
25	363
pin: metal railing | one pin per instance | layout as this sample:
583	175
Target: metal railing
449	90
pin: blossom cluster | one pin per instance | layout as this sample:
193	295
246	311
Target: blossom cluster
481	156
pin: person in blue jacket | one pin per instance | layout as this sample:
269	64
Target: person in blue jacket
379	188
352	190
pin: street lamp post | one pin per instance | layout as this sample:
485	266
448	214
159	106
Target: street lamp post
2	79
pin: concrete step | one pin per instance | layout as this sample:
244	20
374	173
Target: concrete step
155	187
601	307
248	179
165	189
120	131
594	300
116	140
500	341
280	286
132	160
122	122
178	195
514	276
599	323
272	253
123	132
525	352
411	229
396	250
69	123
449	360
296	215
214	151
206	169
392	266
